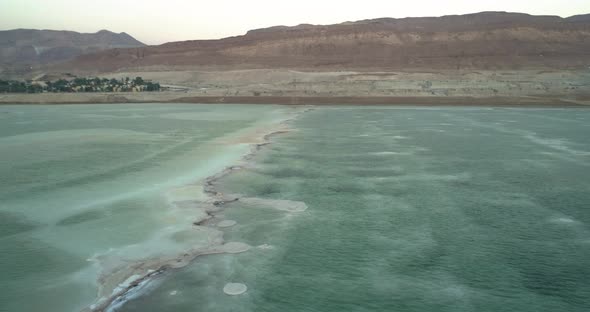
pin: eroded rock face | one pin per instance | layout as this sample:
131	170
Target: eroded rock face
449	42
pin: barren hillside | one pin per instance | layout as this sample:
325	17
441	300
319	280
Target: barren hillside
489	40
21	48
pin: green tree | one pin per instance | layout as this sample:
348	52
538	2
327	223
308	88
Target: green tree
34	88
153	87
138	81
62	85
80	82
4	85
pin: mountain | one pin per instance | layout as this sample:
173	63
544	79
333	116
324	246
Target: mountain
28	47
579	18
487	40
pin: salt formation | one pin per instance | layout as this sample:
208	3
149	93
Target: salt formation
234	247
234	289
226	223
279	204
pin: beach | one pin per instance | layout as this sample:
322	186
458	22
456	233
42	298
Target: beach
282	86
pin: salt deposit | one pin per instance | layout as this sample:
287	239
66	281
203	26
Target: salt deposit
234	247
279	204
226	223
234	289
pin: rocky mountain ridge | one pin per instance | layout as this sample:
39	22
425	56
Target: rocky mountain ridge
487	40
29	47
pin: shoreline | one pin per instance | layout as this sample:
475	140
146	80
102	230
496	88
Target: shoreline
175	97
215	202
386	101
376	86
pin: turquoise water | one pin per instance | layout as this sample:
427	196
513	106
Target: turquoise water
409	209
86	188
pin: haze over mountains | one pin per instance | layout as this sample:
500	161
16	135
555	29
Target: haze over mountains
29	47
488	40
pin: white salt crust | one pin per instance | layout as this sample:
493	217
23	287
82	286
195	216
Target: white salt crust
226	223
283	205
234	289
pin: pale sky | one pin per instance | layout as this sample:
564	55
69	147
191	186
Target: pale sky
155	22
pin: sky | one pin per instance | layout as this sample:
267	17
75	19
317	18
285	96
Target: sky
156	22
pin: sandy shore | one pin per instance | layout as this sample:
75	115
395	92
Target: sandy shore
282	86
397	101
175	97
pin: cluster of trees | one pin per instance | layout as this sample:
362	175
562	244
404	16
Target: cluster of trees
80	85
10	86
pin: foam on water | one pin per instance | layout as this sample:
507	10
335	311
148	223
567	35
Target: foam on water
563	220
560	144
389	153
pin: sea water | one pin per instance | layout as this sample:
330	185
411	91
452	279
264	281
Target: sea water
90	188
356	209
408	209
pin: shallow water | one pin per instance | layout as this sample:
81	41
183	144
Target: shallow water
360	209
408	209
89	187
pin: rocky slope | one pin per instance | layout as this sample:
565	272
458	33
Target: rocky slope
488	40
21	48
